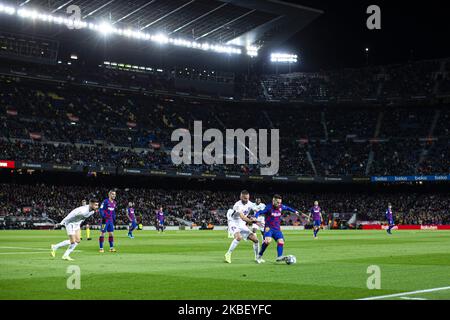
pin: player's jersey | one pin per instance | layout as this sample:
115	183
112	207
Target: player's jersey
389	214
78	215
237	209
131	214
230	213
160	216
261	219
259	207
108	211
273	216
316	213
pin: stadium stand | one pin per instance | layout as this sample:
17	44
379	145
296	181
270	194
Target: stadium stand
60	122
373	121
42	200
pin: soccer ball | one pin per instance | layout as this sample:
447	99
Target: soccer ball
291	260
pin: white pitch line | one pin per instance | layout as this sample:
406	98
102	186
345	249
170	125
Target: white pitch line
18	253
406	293
409	298
37	249
24	248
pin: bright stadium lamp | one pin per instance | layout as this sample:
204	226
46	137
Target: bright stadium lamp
7	9
252	51
160	38
283	58
105	28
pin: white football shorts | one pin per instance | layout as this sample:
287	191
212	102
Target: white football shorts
72	228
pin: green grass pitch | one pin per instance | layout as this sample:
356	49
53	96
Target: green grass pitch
190	265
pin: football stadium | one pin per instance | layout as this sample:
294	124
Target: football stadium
220	150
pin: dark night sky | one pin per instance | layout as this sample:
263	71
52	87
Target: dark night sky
420	30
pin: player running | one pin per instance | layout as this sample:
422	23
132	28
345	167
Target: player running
390	218
237	224
108	214
272	214
260	224
316	213
160	220
132	217
72	224
83	203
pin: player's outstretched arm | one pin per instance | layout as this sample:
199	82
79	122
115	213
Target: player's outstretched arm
289	209
246	219
299	214
262	212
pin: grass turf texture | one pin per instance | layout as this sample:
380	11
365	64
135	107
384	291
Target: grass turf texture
190	265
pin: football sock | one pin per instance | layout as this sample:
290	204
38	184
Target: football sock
70	249
88	233
233	245
101	240
111	241
280	249
256	248
62	244
263	248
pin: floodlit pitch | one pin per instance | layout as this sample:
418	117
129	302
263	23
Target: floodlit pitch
413	265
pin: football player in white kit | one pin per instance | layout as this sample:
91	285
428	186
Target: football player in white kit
237	225
72	224
260	220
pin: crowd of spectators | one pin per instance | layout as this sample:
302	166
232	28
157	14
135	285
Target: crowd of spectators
197	206
403	81
51	123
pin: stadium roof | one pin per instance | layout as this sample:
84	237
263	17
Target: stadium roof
235	22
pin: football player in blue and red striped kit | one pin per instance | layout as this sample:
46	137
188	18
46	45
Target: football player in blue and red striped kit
108	213
390	218
316	213
132	217
272	231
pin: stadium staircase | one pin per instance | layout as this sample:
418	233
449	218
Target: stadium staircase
381	83
311	162
379	123
376	134
437	115
323	121
425	150
268	119
219	121
369	162
265	92
441	71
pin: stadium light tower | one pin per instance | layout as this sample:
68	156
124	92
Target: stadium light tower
105	28
283	59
